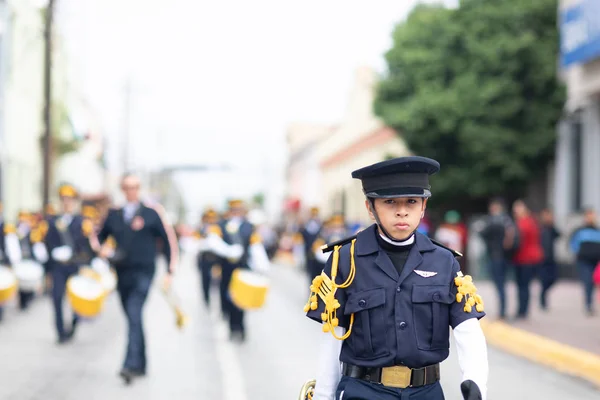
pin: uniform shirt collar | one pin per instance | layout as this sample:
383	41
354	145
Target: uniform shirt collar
366	242
67	218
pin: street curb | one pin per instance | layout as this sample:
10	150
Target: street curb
536	348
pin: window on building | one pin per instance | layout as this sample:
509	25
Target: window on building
576	170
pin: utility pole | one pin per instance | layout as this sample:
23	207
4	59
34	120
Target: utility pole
3	63
47	138
126	126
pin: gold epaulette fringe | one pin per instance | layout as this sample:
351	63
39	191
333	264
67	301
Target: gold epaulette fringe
325	288
467	292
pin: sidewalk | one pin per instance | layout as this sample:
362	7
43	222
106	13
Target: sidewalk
563	337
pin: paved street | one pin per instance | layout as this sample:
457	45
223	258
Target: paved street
200	362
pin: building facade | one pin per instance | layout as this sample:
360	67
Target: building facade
303	174
22	104
321	158
577	165
359	140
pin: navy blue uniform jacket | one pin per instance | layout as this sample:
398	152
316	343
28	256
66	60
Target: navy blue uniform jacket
398	319
139	247
73	237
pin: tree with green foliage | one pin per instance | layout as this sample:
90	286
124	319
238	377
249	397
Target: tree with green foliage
476	88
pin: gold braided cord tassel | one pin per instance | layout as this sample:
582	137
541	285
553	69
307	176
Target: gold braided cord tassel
468	292
325	288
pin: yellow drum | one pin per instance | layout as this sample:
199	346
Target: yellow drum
30	275
248	290
8	284
86	294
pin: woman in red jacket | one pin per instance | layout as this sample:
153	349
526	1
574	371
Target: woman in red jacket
529	254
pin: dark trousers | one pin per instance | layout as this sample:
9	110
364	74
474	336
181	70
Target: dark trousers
25	299
133	287
586	275
497	270
226	305
548	275
236	320
60	274
524	274
356	389
205	269
231	312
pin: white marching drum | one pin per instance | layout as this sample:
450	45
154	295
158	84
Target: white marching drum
8	284
30	275
86	295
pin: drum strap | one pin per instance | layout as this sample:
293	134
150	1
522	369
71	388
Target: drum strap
25	248
66	237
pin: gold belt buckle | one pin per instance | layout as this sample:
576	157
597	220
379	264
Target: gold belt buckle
397	376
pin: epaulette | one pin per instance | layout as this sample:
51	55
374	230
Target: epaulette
455	253
87	227
329	247
216	229
255	238
9	229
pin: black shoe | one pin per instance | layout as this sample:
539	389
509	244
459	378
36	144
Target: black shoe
127	375
590	312
64	338
520	317
237	336
71	332
138	373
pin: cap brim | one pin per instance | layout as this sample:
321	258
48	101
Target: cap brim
398	193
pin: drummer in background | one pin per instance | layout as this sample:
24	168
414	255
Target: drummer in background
39	229
67	246
10	251
25	222
135	228
311	231
207	259
334	229
239	247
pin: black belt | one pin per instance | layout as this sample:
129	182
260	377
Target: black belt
398	376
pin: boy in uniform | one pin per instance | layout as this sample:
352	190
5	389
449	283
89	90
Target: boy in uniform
389	295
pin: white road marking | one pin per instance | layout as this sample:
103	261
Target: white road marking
232	376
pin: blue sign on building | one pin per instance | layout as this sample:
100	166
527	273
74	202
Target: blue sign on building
580	33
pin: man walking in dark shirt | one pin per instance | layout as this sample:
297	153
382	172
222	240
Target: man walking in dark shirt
136	228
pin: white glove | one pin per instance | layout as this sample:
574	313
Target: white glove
13	248
259	261
40	252
100	266
321	257
230	251
62	253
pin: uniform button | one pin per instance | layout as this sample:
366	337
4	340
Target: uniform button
398	289
402	325
437	296
362	303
